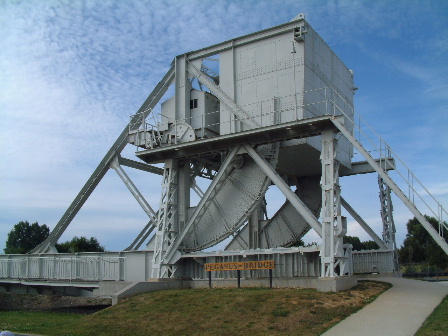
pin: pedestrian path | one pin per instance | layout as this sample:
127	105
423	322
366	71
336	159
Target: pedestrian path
400	311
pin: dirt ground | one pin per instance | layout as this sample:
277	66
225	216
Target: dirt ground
59	303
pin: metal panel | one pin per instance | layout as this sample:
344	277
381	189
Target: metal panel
233	202
287	225
373	261
256	74
85	267
294	262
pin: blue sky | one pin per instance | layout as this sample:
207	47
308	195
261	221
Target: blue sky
72	72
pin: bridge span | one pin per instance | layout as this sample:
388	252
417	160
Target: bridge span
106	274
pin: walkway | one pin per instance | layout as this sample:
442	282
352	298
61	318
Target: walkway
400	311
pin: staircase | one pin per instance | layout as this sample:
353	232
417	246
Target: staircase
405	184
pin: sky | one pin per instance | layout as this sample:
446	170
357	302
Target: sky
73	72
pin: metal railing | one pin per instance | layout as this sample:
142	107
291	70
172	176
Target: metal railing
319	102
414	189
55	267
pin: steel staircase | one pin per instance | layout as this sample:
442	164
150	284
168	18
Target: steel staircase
378	153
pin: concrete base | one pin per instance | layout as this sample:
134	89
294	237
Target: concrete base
335	284
136	288
47	288
108	288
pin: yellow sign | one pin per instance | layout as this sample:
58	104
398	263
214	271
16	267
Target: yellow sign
240	266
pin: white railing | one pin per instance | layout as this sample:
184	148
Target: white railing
61	267
320	102
414	189
378	148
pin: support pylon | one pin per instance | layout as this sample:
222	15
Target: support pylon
388	219
334	225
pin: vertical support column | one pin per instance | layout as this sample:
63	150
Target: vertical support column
184	184
254	222
254	228
183	88
167	221
333	224
388	219
227	84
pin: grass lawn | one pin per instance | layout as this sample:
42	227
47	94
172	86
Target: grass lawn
43	323
437	323
253	311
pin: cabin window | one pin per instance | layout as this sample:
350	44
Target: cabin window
193	103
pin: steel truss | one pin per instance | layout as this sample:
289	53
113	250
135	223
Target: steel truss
105	164
167	220
235	161
388	219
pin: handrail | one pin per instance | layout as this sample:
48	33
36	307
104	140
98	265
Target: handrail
328	101
413	184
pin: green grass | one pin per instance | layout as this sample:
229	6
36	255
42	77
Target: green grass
437	323
44	323
253	311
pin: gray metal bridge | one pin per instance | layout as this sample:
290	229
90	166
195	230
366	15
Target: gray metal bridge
273	108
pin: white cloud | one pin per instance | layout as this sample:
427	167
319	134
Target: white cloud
73	71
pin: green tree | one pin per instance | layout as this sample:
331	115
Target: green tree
419	246
355	241
80	244
25	236
370	245
297	243
359	245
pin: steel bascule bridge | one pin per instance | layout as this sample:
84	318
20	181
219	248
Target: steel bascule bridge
273	108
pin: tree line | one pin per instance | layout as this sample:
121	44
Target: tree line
24	237
418	247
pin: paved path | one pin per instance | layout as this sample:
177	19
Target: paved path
400	311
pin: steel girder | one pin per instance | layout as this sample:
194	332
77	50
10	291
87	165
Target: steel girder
394	187
363	224
105	163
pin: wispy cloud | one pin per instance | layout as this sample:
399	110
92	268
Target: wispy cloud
72	72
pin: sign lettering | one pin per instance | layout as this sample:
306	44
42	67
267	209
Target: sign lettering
240	266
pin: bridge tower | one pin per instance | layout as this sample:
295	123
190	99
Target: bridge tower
272	108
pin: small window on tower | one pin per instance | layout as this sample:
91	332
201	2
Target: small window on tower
193	103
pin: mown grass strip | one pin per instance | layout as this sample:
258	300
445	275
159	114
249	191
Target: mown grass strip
437	323
252	311
43	323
